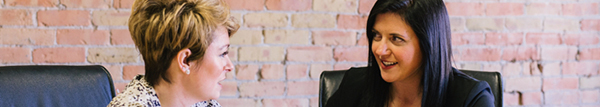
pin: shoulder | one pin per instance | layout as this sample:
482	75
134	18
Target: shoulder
209	103
350	89
136	93
467	91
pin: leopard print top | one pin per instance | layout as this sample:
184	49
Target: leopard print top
139	94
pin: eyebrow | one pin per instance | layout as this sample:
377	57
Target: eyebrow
396	34
393	34
225	46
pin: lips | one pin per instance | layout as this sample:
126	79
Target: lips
387	64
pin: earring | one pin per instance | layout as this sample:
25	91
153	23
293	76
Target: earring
187	71
379	56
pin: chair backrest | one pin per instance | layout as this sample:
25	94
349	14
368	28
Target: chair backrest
55	86
330	81
494	79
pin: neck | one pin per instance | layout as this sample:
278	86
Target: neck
408	92
170	95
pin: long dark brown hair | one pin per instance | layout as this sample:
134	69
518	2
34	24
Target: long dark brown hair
429	20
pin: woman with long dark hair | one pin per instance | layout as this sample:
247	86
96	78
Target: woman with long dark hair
409	62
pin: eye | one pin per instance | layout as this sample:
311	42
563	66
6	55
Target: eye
224	54
377	37
397	39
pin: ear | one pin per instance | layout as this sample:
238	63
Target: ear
182	57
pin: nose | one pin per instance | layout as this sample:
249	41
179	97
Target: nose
228	66
382	49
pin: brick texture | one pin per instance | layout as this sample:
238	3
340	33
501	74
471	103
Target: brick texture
548	51
15	17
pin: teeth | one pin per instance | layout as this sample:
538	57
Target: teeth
389	63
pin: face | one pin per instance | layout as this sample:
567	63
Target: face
210	70
396	48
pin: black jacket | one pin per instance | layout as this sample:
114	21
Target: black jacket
463	90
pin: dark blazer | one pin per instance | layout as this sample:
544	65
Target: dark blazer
462	90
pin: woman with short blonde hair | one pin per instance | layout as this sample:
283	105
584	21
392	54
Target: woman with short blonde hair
184	45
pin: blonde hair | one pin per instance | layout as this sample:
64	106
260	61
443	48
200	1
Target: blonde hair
161	28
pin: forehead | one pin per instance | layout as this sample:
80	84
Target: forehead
220	35
390	22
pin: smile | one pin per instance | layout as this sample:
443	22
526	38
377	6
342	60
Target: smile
389	63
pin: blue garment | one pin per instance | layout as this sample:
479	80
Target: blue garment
462	91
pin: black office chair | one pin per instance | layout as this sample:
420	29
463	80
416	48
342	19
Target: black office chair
55	86
330	81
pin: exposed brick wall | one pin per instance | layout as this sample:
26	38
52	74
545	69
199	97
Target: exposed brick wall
548	51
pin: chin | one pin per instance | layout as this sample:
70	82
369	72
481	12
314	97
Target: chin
386	77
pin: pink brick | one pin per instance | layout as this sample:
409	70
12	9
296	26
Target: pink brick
582	39
551	69
363	41
86	3
82	37
543	8
351	54
123	3
299	102
63	18
298	88
511	69
504	9
355	22
590	25
297	71
116	71
12	36
334	38
479	54
314	102
520	53
523	84
503	38
32	3
246	4
580	9
317	69
558	53
565	83
130	71
239	102
543	39
590	96
532	98
246	72
120	87
272	71
511	99
59	55
120	37
365	6
229	88
342	66
307	54
15	17
589	54
465	9
293	5
580	68
468	39
259	89
568	97
531	68
15	55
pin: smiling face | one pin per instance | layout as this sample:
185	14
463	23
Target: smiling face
396	48
210	70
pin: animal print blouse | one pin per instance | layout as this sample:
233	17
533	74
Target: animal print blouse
139	94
